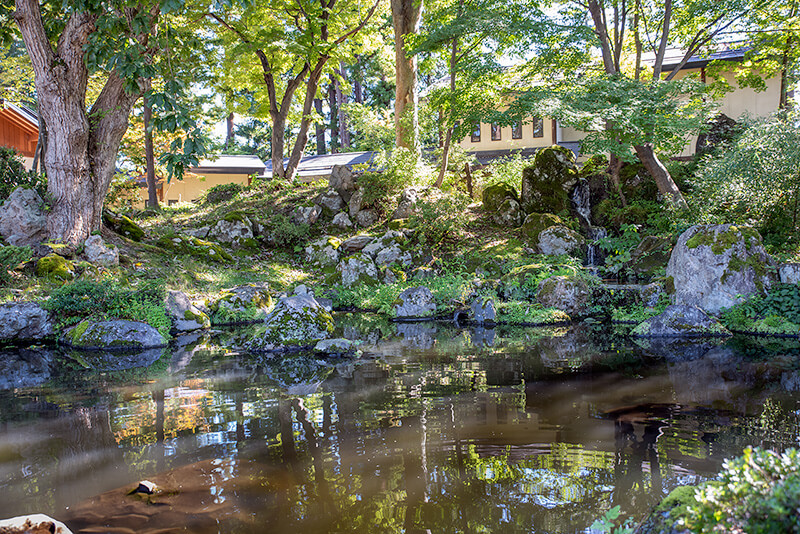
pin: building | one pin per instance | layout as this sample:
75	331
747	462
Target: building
491	141
19	129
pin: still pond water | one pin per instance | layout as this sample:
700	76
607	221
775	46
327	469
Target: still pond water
434	429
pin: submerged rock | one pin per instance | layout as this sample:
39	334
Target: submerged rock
24	321
22	220
681	321
24	368
335	346
185	315
415	303
116	334
717	266
483	311
296	321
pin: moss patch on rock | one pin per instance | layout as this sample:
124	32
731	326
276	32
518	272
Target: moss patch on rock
54	267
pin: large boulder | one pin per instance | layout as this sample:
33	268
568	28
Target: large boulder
22	220
392	254
566	293
406	203
323	251
330	201
415	303
547	183
342	180
241	304
123	225
116	334
650	256
717	266
559	240
356	243
367	218
496	194
681	321
296	321
98	253
185	315
508	214
24	321
358	268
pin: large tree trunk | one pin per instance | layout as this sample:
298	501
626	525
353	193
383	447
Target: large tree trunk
302	136
81	153
405	18
664	182
319	129
334	125
341	100
149	156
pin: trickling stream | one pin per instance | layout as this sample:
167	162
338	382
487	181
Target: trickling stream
435	429
581	200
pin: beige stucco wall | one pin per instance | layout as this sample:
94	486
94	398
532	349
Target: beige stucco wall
505	142
193	185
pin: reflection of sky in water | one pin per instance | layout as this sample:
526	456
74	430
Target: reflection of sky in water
542	434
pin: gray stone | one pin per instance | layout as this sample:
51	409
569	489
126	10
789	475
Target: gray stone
98	253
558	240
330	201
789	273
334	346
24	321
25	368
356	243
32	523
509	214
323	251
681	321
307	214
415	302
116	334
303	289
651	294
343	180
483	310
387	240
22	220
406	203
354	204
295	321
495	194
565	293
242	300
366	218
200	233
342	220
357	268
232	231
185	315
717	266
392	254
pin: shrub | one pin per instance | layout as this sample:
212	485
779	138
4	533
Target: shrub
123	192
284	232
440	218
222	193
399	170
10	257
777	312
81	300
14	175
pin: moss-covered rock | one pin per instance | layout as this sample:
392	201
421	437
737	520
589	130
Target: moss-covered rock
547	183
358	269
495	194
185	315
650	257
54	267
323	251
297	321
536	223
681	321
194	246
241	304
123	225
560	240
117	334
717	266
569	294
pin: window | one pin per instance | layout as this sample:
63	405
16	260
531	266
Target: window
538	127
497	132
516	130
475	136
172	202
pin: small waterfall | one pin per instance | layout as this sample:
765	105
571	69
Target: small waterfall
582	202
580	199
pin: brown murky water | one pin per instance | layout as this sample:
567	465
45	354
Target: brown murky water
434	430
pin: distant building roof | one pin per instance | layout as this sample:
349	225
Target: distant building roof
26	113
230	164
673	56
319	166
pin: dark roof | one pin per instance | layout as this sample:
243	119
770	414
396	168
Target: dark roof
321	164
698	61
230	164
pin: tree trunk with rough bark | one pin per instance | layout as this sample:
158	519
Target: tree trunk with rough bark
82	149
229	131
149	156
319	129
334	125
405	19
666	185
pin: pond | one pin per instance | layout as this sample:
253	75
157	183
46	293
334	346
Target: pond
433	429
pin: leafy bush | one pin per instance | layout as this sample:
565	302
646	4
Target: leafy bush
619	247
439	218
521	312
399	170
758	492
222	193
81	300
14	175
374	128
777	312
505	170
284	232
10	257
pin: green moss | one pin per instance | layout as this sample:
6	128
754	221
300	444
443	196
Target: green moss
77	332
194	246
721	242
496	194
54	267
235	216
536	223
